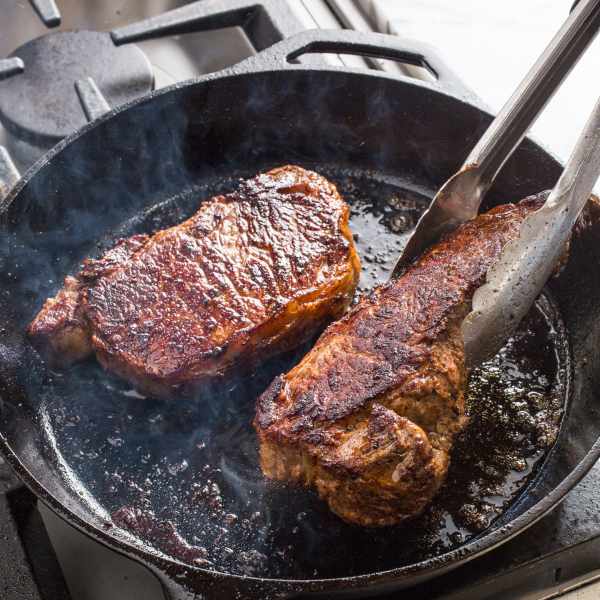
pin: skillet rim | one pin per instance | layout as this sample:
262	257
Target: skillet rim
162	565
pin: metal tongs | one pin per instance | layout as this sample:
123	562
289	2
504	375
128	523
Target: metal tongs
525	264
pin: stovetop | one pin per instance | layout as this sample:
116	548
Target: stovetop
41	556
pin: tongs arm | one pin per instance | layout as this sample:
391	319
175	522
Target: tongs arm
458	200
526	263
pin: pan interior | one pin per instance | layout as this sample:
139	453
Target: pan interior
182	476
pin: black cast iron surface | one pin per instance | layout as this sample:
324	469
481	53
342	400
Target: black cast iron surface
123	170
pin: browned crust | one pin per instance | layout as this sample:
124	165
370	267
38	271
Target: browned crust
401	349
61	329
252	273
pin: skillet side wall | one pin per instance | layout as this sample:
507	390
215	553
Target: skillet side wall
241	125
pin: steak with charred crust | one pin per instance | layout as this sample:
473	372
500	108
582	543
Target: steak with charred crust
252	273
368	417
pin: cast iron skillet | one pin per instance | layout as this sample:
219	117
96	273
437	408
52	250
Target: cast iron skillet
83	442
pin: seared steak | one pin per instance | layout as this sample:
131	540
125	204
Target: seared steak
252	273
368	417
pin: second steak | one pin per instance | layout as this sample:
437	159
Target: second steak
369	416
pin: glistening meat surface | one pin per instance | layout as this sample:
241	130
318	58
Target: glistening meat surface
251	274
369	416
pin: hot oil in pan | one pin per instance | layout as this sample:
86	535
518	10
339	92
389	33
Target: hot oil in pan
183	475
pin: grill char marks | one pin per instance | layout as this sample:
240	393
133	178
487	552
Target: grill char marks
368	417
251	274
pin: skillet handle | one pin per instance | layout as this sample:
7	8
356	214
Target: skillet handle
375	45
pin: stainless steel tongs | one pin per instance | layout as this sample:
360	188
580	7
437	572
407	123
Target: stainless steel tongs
526	263
515	282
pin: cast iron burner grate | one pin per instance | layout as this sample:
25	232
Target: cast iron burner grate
54	63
